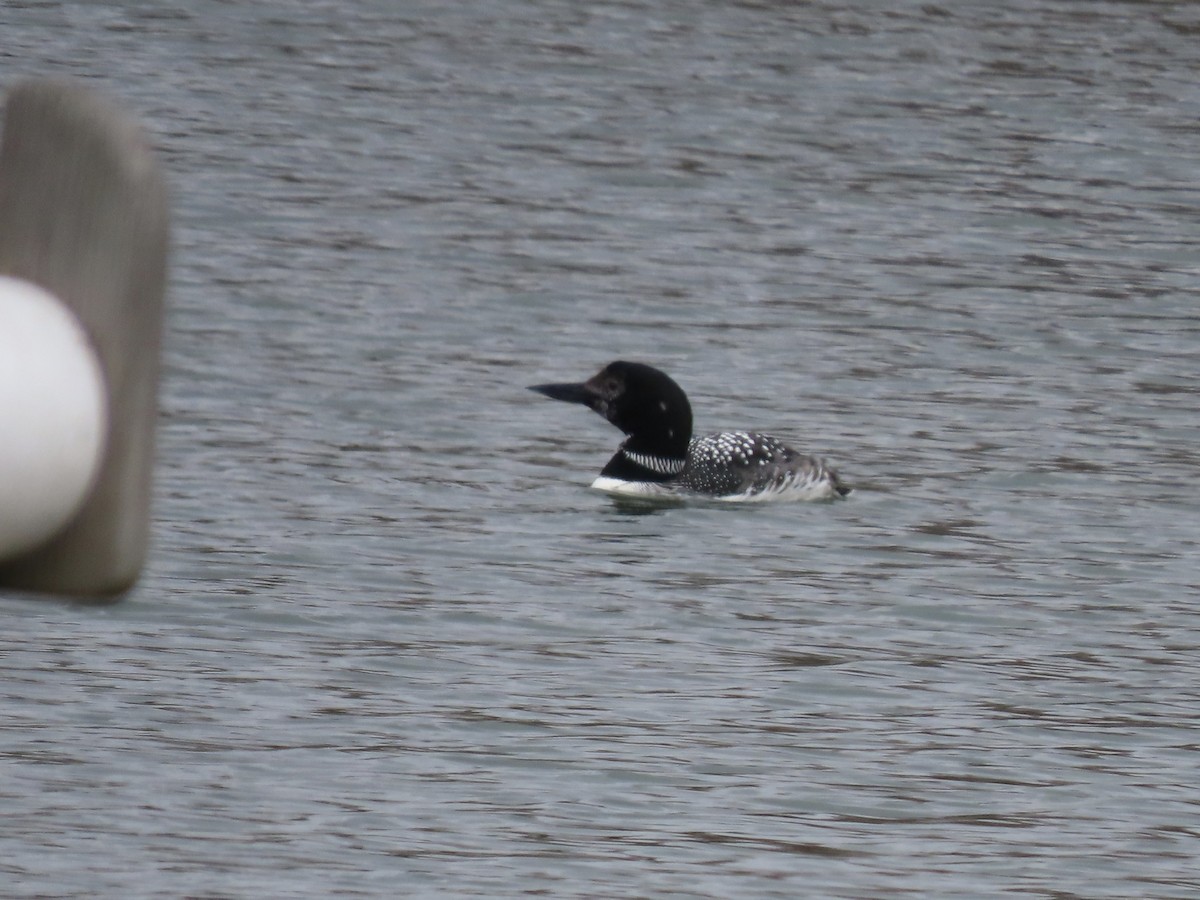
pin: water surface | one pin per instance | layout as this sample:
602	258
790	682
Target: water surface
388	642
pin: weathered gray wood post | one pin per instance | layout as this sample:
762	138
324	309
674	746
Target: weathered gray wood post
84	215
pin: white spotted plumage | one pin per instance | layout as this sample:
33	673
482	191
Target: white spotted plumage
735	466
763	468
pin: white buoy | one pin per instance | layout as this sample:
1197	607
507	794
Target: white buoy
53	414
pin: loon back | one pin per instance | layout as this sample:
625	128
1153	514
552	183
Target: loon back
745	465
660	456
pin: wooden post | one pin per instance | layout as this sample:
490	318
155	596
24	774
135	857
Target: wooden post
84	214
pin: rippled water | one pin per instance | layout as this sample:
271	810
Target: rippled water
389	643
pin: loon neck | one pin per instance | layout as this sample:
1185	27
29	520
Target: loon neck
663	465
630	465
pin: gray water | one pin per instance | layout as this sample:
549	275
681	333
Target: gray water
389	644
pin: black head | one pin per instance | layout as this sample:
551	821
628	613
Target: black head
640	400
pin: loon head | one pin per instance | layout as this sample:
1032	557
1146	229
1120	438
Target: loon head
640	400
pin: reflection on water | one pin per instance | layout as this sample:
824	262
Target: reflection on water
388	634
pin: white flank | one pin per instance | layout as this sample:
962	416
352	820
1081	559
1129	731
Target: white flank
632	488
798	490
791	492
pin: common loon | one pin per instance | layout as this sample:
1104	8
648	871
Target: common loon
661	458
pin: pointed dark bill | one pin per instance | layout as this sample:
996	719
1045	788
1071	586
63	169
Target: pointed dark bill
571	393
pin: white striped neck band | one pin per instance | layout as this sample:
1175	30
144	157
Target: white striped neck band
659	464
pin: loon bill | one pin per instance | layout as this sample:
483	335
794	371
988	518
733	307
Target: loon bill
661	458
